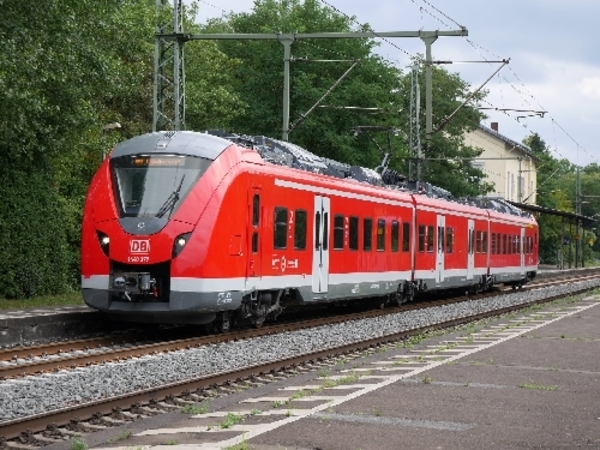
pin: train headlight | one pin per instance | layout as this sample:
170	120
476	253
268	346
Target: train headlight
180	242
104	241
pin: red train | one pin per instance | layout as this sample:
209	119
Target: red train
191	227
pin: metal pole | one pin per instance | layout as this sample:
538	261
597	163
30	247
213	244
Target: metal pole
287	54
428	100
519	188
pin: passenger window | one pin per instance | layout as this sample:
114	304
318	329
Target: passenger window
300	230
421	238
255	209
449	239
338	232
317	229
325	231
405	237
380	235
255	242
353	243
280	228
367	234
395	235
430	239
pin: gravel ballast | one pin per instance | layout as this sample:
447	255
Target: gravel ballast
34	395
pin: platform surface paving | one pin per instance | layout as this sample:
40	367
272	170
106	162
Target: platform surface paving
531	381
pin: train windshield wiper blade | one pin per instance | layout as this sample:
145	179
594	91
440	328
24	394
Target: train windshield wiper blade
171	201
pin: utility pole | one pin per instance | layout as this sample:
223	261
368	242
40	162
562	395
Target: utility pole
169	92
415	130
169	68
578	212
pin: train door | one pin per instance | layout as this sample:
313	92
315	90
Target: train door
471	249
254	234
521	248
320	270
441	225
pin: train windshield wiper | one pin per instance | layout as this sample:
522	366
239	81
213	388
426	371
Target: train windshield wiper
171	201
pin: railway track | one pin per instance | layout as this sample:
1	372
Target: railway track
24	361
44	428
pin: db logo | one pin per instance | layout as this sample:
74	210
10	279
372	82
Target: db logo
139	246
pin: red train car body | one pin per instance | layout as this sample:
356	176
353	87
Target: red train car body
193	227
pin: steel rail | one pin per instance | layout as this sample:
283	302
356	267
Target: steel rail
37	423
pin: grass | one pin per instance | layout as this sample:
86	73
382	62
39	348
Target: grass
201	408
69	299
124	435
231	420
538	387
78	443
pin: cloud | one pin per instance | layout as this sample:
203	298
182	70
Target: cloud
590	87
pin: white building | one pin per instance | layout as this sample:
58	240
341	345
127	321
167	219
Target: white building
508	164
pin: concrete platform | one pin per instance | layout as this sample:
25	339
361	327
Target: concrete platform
33	325
528	381
540	390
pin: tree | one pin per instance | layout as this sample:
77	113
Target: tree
331	131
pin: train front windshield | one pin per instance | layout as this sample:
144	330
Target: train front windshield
154	185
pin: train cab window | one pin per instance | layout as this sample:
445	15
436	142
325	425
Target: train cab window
484	242
430	239
421	238
353	242
395	235
380	235
280	228
367	234
300	230
449	240
255	209
338	232
405	237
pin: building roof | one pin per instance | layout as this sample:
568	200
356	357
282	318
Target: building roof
519	146
571	217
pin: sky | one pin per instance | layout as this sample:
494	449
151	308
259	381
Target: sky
553	47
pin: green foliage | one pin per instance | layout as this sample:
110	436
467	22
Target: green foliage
374	83
34	259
